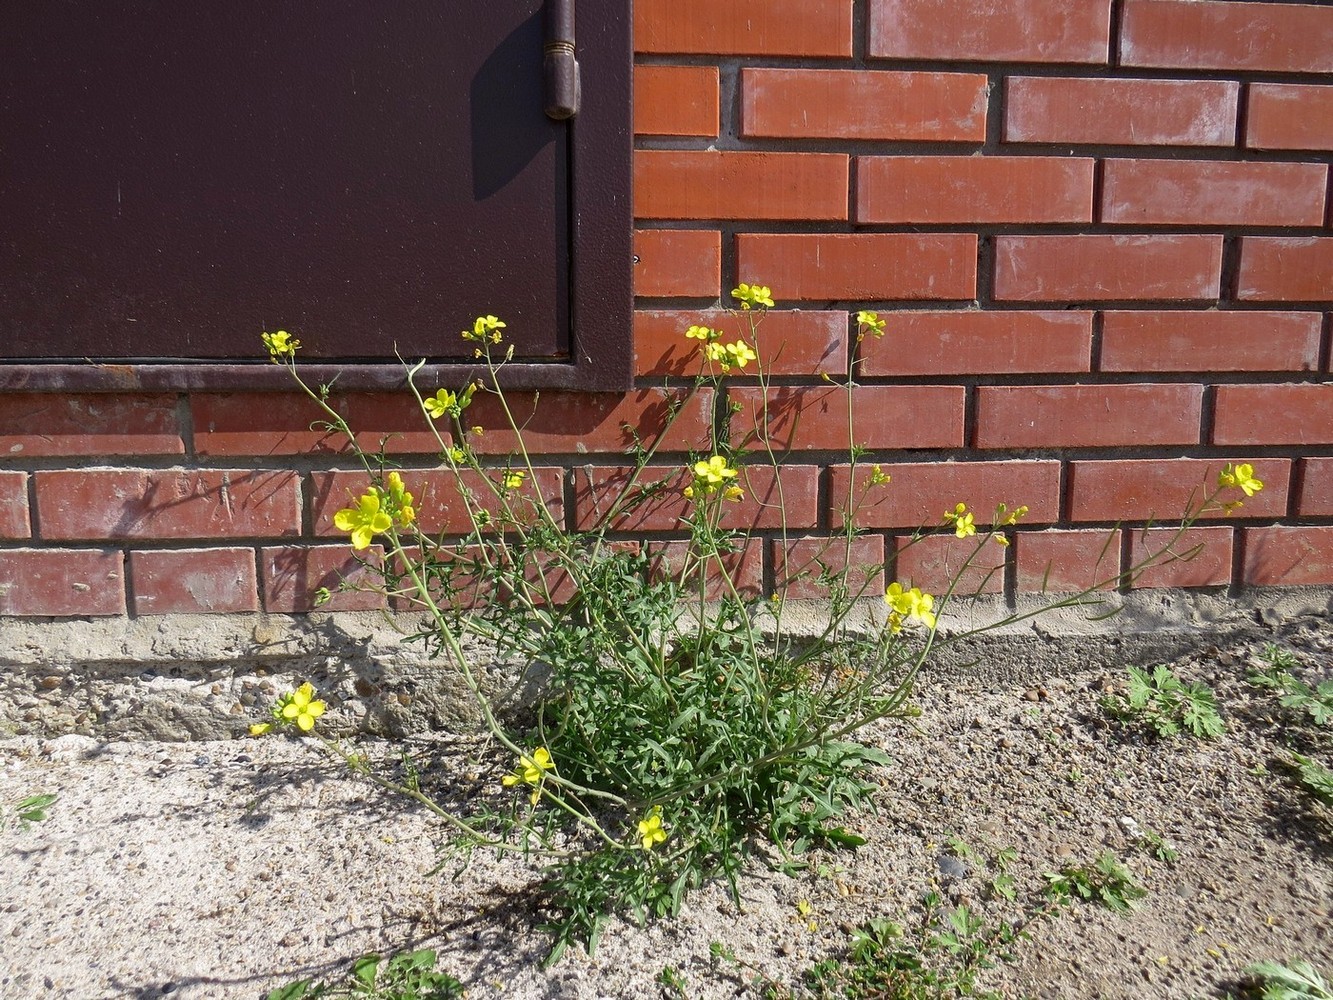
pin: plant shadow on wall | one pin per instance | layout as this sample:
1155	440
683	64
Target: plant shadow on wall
686	723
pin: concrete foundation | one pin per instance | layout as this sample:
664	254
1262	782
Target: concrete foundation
194	677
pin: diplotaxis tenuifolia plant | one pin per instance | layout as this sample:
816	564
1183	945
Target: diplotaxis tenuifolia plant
681	717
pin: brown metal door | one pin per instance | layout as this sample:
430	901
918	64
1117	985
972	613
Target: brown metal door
178	175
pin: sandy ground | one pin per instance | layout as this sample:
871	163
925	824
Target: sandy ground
222	870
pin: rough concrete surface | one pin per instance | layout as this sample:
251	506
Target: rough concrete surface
224	868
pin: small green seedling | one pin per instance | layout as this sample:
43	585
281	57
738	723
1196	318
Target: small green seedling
1316	702
407	976
27	811
672	982
1313	777
1165	704
1278	657
1297	981
1107	882
1156	845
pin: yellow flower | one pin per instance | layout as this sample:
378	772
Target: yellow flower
740	354
1240	477
688	492
441	403
871	321
733	493
485	328
1001	541
711	474
400	500
531	771
1004	516
714	470
750	296
364	521
280	345
456	454
964	524
703	333
878	477
302	708
514	479
910	604
650	829
718	353
260	728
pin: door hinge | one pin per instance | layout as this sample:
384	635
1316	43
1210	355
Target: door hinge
560	70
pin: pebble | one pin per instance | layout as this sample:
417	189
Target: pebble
951	867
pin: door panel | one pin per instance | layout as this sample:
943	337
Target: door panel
177	176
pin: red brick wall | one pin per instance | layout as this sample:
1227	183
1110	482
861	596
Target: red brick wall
1099	231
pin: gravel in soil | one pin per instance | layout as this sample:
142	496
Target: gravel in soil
222	870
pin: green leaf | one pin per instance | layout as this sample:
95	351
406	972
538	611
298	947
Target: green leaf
842	837
365	969
292	991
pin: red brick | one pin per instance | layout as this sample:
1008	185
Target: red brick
61	583
937	562
1066	562
280	423
979	343
973	189
1207	34
67	424
1274	414
1289	116
255	424
920	492
1047	31
167	503
14	521
186	581
886	416
1094	267
799	567
438	501
1195	557
744	567
1121	112
1286	269
1210	341
583	423
863	104
684	262
1202	193
713	184
596	490
744	27
1315	498
861	265
293	573
788	342
1288	556
1167	488
675	100
470	584
1087	416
